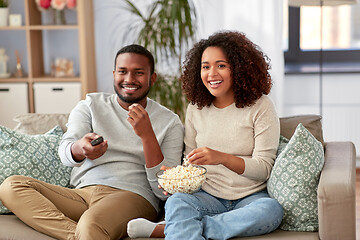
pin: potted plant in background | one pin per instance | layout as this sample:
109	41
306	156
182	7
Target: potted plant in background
4	13
167	31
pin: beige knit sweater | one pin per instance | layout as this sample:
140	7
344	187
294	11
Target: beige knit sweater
251	133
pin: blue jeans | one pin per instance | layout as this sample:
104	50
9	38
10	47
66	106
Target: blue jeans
203	216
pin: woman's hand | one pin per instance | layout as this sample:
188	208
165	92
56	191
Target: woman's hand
208	156
205	156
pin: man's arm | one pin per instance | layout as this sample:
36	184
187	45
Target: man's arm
75	145
140	121
83	148
169	153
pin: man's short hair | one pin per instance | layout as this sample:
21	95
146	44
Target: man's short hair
135	48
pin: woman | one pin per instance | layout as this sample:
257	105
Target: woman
232	129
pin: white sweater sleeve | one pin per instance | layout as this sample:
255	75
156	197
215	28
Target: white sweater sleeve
172	151
79	124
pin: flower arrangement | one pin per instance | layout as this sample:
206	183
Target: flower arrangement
56	4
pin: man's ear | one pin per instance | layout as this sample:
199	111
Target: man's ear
153	78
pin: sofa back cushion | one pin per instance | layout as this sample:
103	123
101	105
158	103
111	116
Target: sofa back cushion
38	123
310	122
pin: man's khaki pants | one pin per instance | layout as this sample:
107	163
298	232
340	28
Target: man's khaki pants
94	212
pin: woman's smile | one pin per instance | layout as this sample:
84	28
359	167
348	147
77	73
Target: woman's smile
215	83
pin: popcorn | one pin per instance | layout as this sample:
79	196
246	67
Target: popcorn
186	179
185	161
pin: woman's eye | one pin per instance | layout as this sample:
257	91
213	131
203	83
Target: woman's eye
205	67
222	66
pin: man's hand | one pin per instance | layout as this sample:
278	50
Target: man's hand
139	120
164	168
82	148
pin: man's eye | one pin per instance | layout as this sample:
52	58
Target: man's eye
139	73
121	72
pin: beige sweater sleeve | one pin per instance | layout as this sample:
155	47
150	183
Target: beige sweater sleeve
266	140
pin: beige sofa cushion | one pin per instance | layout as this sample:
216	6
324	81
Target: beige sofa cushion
14	228
310	122
37	123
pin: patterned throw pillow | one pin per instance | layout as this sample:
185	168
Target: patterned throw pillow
34	156
283	141
294	180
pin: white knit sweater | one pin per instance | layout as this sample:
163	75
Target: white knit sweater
123	164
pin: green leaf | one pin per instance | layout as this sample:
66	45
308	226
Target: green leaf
167	30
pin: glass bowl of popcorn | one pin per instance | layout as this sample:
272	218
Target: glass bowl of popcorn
186	179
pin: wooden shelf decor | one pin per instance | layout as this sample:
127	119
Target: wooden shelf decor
82	30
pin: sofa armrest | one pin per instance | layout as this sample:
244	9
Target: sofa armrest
336	192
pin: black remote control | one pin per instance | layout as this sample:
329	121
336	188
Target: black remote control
97	141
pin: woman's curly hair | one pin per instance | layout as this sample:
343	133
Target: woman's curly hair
248	64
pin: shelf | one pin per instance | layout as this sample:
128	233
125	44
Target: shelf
12	28
56	79
40	27
14	80
39	43
53	27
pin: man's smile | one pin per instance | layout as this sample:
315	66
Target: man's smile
130	88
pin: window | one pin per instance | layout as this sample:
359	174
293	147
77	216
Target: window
340	38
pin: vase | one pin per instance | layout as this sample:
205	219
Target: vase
4	15
59	17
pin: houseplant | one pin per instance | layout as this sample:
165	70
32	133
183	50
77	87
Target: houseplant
4	12
167	29
3	3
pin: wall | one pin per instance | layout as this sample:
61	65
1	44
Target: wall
297	94
341	103
112	24
261	22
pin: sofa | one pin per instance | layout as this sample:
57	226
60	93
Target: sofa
335	190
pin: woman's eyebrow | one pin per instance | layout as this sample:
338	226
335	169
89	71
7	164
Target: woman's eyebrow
218	61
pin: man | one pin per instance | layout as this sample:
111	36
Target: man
115	180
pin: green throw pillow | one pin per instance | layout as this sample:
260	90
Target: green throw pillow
34	156
283	141
294	180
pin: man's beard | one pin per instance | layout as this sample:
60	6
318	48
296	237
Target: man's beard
131	99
